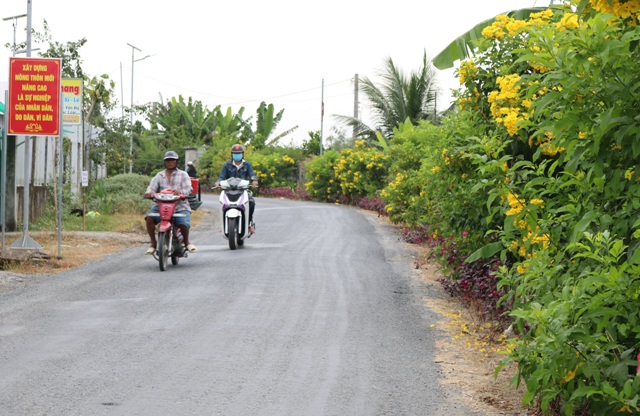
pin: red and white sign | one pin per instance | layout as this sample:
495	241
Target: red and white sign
34	96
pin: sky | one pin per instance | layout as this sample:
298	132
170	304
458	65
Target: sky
239	53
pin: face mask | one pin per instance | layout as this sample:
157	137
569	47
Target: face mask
237	157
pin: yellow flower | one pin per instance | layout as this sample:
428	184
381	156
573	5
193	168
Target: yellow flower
515	204
522	251
625	409
571	374
569	20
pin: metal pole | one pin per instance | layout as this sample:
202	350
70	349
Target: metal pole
60	173
29	28
3	184
321	115
355	102
26	242
15	24
133	52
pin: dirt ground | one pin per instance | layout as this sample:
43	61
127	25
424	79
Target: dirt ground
467	359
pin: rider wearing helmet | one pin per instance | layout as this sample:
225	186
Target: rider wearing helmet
237	167
191	170
179	183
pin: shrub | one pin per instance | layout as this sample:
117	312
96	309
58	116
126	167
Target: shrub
119	194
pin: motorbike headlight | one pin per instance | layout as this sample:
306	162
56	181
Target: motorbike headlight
166	197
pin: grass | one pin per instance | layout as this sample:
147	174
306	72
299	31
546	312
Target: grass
119	222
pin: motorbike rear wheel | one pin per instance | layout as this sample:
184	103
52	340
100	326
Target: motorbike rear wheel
233	232
163	250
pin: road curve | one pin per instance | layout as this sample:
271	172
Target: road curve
319	314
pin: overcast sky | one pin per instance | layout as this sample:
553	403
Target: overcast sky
239	53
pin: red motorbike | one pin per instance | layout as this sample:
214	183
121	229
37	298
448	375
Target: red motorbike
169	238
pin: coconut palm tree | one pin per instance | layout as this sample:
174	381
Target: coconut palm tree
399	98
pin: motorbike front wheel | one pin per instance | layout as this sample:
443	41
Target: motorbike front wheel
232	228
163	250
176	249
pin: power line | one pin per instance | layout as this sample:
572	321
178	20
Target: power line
236	101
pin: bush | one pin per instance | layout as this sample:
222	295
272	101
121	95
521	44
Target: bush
119	194
277	167
348	175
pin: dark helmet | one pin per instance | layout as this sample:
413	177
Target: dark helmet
237	148
171	155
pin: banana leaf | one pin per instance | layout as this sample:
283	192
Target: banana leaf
463	46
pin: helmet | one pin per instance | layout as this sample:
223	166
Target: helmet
237	148
189	163
171	155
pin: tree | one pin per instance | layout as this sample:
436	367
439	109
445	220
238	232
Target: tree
98	92
266	123
312	146
187	123
398	99
112	147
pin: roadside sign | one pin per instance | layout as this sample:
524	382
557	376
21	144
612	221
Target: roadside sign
34	96
71	101
85	178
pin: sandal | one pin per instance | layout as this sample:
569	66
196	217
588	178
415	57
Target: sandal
191	248
150	251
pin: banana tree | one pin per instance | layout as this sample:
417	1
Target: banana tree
266	122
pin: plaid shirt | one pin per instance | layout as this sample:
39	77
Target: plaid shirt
179	181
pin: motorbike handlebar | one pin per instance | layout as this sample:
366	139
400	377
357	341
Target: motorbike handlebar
213	188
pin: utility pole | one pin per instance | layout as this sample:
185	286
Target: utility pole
15	23
8	185
133	51
26	242
133	61
321	115
355	102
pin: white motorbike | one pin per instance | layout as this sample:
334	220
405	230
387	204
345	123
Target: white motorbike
234	211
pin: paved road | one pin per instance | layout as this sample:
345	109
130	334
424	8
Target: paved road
318	314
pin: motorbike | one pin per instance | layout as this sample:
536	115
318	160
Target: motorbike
234	211
169	237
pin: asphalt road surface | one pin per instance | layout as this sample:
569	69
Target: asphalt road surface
319	313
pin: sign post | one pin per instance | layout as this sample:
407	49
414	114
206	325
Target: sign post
71	114
33	110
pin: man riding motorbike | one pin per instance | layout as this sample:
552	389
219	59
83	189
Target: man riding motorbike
238	167
178	182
